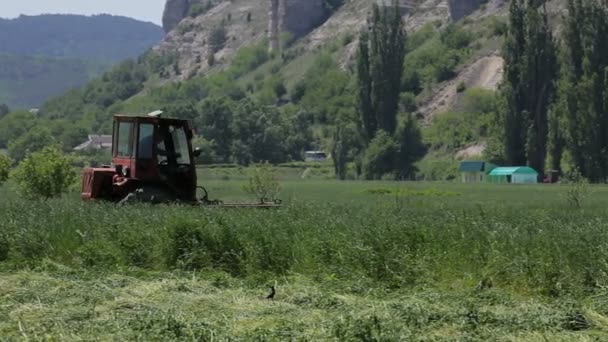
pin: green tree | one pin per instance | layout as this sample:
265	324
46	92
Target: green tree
582	110
530	70
326	90
33	141
47	173
366	109
380	69
5	166
345	146
411	149
379	157
217	38
215	124
387	53
556	143
14	125
265	134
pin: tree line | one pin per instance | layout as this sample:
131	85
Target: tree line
555	91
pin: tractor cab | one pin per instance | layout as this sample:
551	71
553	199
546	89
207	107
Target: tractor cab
150	153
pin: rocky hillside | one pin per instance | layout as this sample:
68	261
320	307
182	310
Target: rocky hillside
191	24
267	80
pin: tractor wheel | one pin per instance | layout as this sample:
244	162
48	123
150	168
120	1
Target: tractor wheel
152	195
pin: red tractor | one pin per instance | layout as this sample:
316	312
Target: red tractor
152	162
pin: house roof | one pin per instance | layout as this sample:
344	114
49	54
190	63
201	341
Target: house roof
472	166
96	141
101	139
513	170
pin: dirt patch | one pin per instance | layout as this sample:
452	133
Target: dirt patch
471	151
486	72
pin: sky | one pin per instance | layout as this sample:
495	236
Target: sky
146	10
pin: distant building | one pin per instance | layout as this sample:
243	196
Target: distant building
315	156
96	142
475	171
34	110
513	175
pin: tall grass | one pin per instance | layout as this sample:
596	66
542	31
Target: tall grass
385	242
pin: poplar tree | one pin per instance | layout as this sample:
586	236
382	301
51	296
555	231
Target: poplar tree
530	70
583	99
366	109
379	73
380	69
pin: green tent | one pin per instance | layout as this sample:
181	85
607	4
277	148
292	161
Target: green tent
514	175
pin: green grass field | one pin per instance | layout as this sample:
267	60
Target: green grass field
353	261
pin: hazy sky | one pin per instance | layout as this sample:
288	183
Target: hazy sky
146	10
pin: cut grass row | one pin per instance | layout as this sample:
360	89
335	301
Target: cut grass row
58	303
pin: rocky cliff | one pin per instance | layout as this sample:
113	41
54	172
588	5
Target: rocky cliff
297	17
462	8
301	16
175	11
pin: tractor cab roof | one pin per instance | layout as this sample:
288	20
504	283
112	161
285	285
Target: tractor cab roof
150	119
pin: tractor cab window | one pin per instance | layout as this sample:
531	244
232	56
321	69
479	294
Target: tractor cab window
172	146
123	138
146	141
180	144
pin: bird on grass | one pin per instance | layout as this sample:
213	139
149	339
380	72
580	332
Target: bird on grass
272	293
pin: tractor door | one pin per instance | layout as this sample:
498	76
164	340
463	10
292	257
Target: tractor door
122	146
146	168
174	158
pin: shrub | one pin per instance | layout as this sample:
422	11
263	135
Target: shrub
33	141
263	184
479	100
578	190
217	38
407	102
462	86
5	165
498	27
47	174
379	156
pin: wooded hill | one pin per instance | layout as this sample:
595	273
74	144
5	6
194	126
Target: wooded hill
44	56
